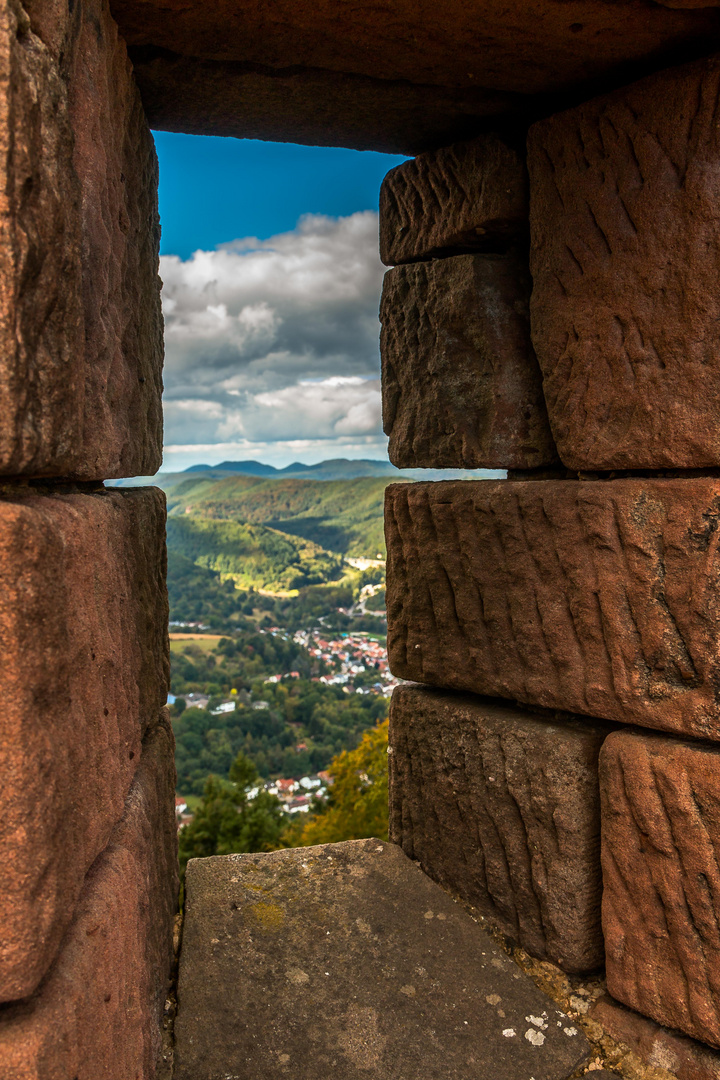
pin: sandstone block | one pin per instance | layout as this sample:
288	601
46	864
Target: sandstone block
600	598
657	1046
625	214
80	319
41	309
114	156
527	48
98	1012
466	197
503	808
83	620
346	960
661	906
461	384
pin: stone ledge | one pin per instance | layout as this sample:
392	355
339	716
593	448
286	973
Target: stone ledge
346	960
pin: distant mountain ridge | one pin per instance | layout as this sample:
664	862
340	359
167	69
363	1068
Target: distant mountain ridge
280	529
333	469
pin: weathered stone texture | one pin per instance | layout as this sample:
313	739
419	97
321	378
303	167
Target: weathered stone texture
461	383
527	46
661	899
41	312
503	808
625	214
307	105
656	1046
80	319
599	598
346	960
115	159
468	196
98	1012
83	621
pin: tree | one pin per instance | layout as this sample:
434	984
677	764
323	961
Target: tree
357	805
230	819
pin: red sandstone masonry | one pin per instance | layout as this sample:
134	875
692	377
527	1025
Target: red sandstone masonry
657	1046
461	384
599	598
661	896
469	196
98	1012
41	310
625	216
80	318
83	621
502	807
115	158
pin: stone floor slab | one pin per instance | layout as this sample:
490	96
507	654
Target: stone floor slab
345	960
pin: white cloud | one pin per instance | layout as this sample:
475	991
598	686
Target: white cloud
275	340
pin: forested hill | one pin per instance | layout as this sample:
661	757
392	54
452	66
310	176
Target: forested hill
280	530
342	516
252	555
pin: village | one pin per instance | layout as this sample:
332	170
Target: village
358	663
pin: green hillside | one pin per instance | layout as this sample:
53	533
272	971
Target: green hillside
344	516
251	555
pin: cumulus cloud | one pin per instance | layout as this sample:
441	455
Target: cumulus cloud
275	341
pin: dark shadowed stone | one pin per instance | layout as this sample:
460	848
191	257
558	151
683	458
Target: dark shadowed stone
461	384
503	808
399	76
345	960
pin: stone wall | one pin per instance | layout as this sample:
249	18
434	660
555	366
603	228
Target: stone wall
87	823
552	309
556	762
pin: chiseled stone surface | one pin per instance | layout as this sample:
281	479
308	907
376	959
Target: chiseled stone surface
657	1046
468	196
502	807
98	1012
80	317
114	156
461	384
598	598
41	309
83	620
661	897
346	960
625	212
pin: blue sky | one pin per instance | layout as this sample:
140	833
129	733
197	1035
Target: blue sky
214	190
272	283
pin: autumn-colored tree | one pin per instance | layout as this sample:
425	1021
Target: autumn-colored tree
357	805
